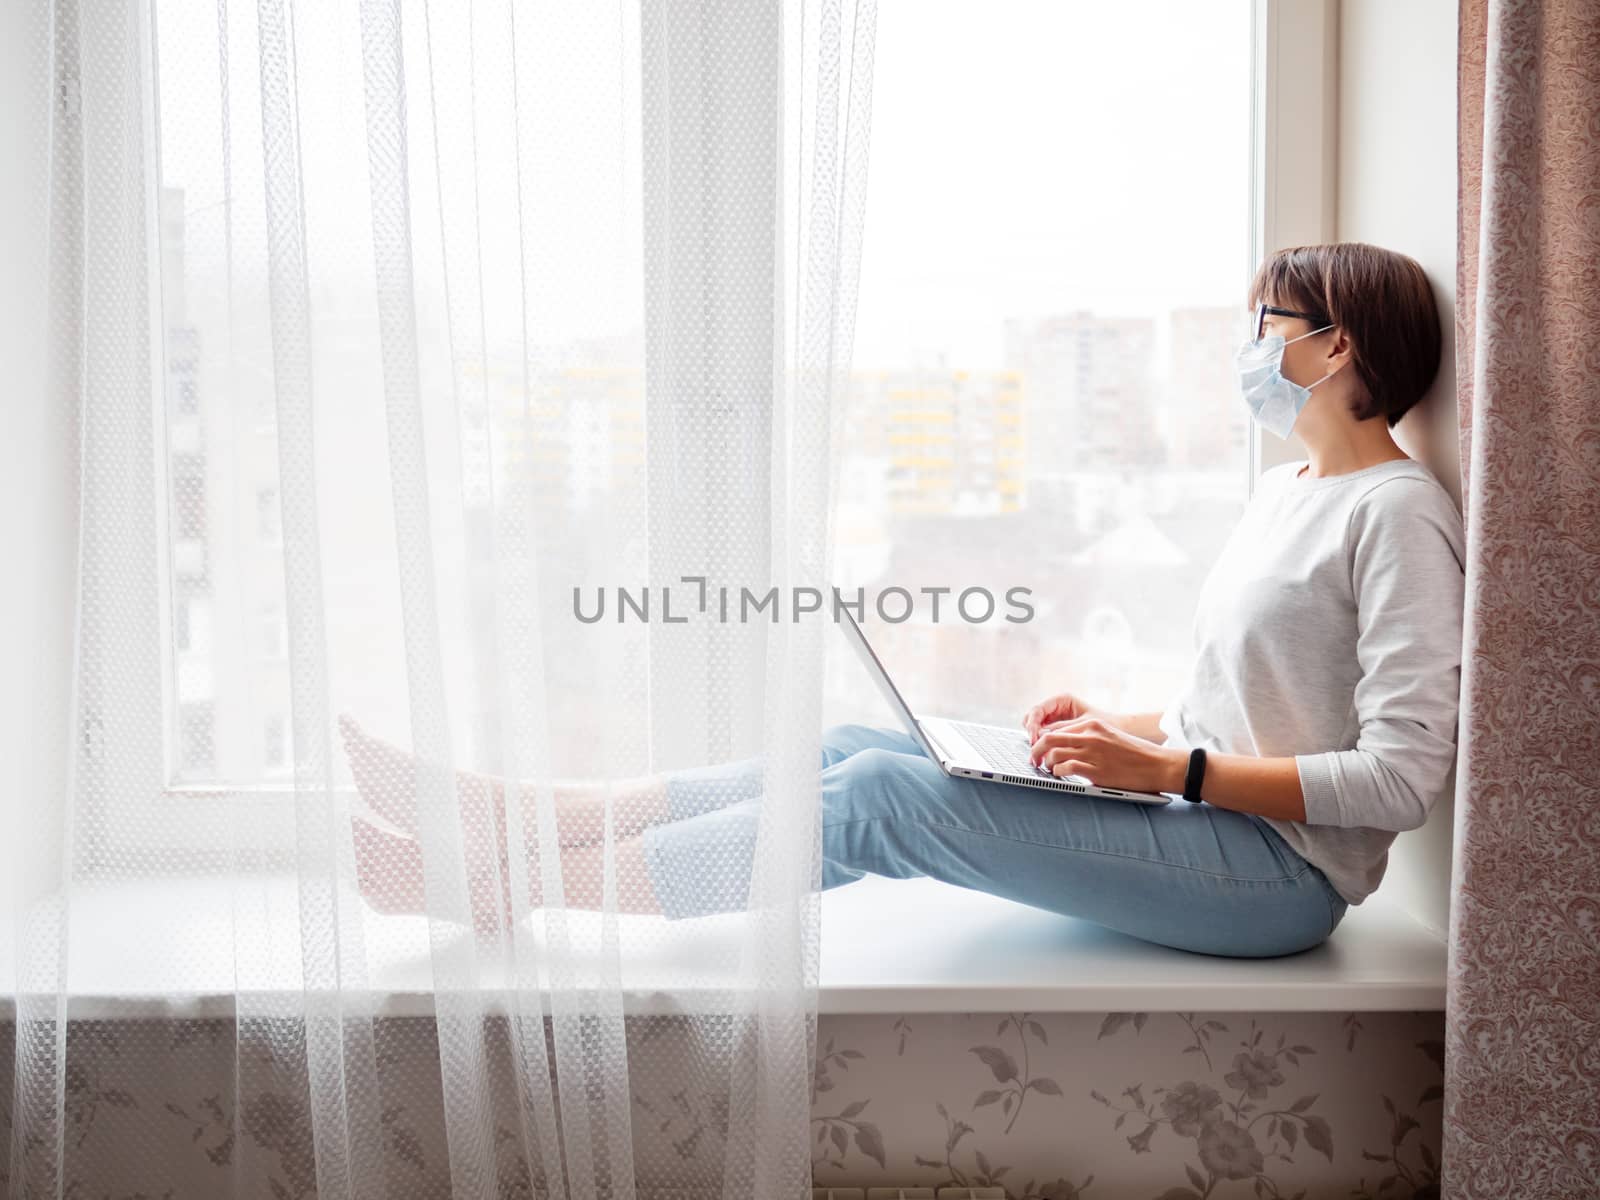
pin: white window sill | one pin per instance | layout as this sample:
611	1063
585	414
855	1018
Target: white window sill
918	945
889	946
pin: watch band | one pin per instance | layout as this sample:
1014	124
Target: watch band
1196	775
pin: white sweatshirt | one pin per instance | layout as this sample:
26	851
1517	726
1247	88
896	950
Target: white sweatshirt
1329	629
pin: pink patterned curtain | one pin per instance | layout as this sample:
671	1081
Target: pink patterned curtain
1522	1066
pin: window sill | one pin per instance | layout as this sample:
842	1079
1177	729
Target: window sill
889	946
918	945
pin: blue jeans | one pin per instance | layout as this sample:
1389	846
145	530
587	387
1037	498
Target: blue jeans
1191	876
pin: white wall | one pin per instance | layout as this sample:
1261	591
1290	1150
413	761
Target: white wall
1397	188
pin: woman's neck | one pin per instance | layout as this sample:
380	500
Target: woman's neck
1351	448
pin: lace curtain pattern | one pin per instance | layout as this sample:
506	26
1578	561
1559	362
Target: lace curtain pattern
367	337
1522	1081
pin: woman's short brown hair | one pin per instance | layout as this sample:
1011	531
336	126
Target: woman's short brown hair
1381	299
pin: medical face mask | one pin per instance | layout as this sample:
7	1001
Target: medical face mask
1275	402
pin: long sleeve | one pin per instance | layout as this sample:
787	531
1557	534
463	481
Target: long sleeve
1406	554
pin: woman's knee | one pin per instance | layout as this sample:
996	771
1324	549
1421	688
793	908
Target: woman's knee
866	803
848	734
841	742
865	785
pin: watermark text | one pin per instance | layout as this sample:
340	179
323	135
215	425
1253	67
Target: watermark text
694	597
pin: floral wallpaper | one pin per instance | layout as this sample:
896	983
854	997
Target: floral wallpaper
1164	1106
1171	1106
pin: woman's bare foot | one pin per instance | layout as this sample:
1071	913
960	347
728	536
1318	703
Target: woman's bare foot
390	875
386	777
390	866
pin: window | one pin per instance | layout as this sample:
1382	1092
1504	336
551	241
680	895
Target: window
1051	289
1052	271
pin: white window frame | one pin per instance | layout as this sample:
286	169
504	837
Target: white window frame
1295	151
1293	165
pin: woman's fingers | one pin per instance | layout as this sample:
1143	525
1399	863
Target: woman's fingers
1066	735
1046	711
1057	710
1060	762
1033	721
1057	754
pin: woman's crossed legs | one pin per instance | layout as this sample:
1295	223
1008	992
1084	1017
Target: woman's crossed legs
1191	876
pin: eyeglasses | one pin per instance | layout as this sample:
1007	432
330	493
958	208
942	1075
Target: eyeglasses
1262	310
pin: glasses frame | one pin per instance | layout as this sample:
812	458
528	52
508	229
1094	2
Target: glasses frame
1263	310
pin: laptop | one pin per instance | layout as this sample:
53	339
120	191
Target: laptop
973	751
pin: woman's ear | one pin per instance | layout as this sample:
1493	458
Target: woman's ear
1340	349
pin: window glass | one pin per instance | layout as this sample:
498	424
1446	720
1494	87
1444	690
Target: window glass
1041	396
1052	284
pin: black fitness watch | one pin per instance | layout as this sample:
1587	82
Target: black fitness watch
1196	775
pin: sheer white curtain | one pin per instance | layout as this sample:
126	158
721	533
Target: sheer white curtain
364	344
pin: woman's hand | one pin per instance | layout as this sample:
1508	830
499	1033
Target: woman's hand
1093	747
1065	707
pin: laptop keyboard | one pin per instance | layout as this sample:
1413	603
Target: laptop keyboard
1007	749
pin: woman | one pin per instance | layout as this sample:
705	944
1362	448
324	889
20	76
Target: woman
1324	690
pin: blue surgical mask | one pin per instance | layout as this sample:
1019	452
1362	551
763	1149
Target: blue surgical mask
1275	402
